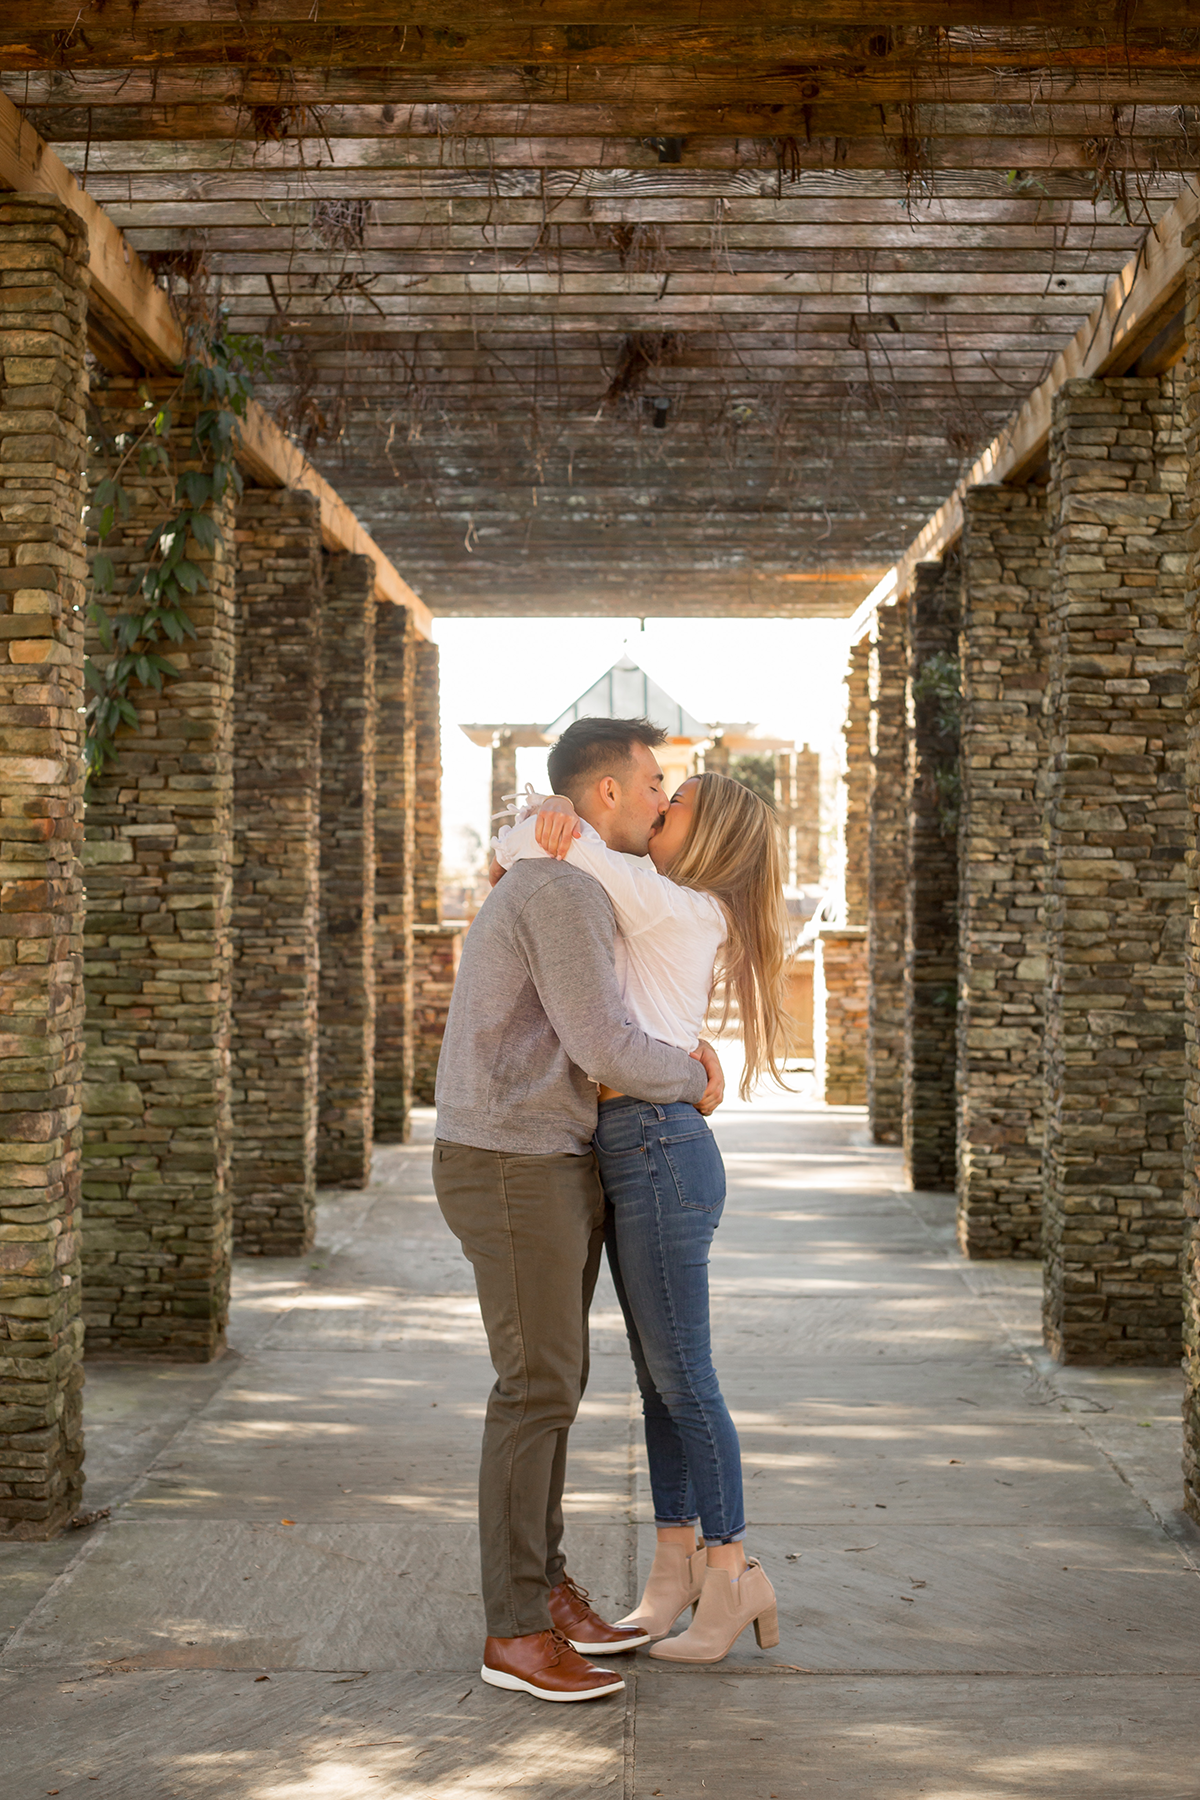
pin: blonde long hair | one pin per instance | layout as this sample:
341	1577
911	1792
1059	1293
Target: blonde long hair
733	852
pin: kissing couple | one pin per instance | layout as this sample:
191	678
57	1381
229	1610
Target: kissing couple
571	1093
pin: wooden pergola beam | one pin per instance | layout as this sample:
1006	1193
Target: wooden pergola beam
1141	311
136	314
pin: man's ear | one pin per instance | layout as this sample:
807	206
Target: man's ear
608	791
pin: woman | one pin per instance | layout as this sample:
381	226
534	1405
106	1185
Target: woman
711	911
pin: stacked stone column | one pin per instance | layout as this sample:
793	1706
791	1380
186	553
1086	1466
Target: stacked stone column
931	926
43	395
395	840
1118	825
504	771
1002	953
798	804
887	860
436	945
159	855
1189	382
277	777
806	817
346	1003
840	951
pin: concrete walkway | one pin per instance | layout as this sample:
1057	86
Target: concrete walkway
987	1591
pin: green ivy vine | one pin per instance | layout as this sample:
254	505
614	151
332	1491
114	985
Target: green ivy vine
220	369
939	682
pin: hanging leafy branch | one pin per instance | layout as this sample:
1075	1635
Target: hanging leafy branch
220	370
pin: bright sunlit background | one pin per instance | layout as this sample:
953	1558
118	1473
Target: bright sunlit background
785	675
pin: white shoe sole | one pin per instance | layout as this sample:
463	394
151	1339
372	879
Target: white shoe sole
608	1649
498	1678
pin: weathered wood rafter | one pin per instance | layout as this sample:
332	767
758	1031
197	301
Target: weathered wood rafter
836	251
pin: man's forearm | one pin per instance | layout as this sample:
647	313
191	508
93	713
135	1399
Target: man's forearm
633	1063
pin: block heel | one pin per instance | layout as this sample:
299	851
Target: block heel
726	1608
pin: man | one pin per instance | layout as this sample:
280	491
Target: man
535	1022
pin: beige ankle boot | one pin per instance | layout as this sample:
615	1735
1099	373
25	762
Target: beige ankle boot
726	1608
673	1584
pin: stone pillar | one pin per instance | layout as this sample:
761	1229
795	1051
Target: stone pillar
806	817
840	1014
43	459
436	952
427	716
1002	952
1190	383
888	846
276	827
346	996
158	1218
840	951
1117	827
857	738
931	883
395	838
716	757
435	949
504	773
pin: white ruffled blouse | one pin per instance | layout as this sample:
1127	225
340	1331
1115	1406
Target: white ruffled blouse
668	937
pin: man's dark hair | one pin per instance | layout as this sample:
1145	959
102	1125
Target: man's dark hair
592	748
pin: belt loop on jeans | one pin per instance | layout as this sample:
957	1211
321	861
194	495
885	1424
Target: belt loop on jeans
658	1111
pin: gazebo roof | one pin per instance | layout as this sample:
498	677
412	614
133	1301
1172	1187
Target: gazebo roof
627	692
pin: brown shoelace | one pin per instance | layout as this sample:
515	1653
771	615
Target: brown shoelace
561	1643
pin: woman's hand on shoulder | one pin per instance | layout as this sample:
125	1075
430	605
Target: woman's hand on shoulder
557	824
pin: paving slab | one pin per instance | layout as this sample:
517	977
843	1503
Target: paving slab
220	1593
1011	1738
320	1435
987	1588
301	1735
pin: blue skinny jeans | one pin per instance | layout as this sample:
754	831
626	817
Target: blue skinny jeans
664	1183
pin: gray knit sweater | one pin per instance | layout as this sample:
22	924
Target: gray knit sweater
536	1010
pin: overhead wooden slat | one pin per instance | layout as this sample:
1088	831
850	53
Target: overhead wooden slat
139	313
98	115
1100	26
1134	309
836	251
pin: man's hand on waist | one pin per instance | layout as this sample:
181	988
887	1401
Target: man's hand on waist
714	1093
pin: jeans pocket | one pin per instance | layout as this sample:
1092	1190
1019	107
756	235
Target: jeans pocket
696	1170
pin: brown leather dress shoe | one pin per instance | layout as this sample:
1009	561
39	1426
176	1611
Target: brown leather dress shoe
544	1664
584	1629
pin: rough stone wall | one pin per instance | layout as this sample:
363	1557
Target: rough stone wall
840	1015
931	888
1189	382
436	950
806	817
43	457
346	995
427	851
395	791
157	964
1118	824
504	774
1002	951
857	737
888	849
276	821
